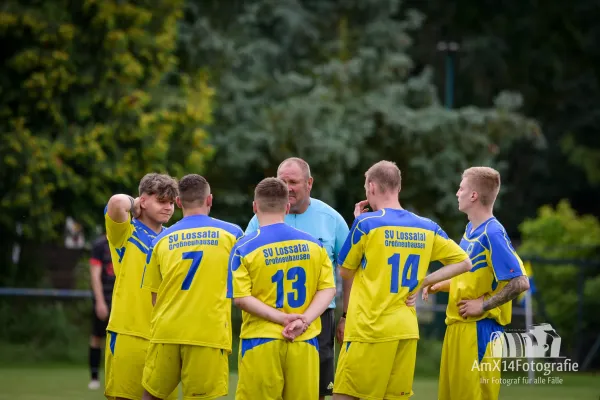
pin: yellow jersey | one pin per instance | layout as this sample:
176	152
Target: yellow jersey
283	267
187	268
494	261
129	243
390	250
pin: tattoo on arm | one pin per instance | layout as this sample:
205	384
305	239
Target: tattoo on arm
513	288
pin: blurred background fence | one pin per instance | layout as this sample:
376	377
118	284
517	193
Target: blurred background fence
53	324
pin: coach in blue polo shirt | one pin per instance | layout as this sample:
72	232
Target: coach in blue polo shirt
324	223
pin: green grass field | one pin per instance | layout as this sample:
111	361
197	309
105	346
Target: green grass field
70	383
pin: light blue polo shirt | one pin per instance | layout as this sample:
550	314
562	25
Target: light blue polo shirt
320	221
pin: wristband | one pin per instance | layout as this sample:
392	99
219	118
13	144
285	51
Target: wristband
344	315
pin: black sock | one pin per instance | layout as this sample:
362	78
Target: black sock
94	362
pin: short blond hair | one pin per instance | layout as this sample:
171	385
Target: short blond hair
271	195
386	175
485	181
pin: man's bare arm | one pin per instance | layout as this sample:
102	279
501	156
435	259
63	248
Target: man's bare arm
513	288
120	205
252	305
443	286
96	280
319	304
447	272
346	288
347	274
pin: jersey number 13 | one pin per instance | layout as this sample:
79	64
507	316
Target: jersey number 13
297	296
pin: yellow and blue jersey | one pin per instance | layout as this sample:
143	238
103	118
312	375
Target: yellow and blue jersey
321	221
494	261
188	269
129	244
282	267
391	249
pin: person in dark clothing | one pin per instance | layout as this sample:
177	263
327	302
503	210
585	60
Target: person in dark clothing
102	281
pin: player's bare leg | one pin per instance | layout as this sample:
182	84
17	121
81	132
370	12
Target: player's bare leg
343	397
148	396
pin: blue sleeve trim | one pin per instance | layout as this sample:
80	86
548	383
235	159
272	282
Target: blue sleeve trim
504	260
440	232
353	237
234	264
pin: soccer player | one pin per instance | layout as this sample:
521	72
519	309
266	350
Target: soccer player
102	279
321	221
131	225
480	301
282	279
191	323
387	252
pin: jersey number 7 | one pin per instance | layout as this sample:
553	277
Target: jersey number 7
411	266
196	257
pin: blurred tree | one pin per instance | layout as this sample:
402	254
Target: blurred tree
559	233
547	52
92	98
332	82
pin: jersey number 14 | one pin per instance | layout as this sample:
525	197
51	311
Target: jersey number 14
410	277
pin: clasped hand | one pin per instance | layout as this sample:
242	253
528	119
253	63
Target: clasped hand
294	326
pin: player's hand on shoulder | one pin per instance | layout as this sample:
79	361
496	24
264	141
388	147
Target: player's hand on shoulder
360	208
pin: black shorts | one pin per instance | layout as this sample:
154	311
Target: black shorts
326	352
98	326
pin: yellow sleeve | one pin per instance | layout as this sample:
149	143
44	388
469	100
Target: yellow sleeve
353	249
242	284
152	277
326	280
118	233
446	250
